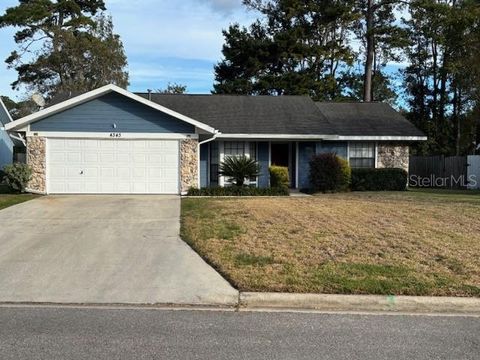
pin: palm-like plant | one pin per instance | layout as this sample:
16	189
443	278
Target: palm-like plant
239	168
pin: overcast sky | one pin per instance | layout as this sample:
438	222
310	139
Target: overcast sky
165	41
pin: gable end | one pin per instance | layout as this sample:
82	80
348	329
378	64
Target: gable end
112	112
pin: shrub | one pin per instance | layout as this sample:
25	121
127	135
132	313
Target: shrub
17	176
392	179
238	191
239	168
329	172
279	176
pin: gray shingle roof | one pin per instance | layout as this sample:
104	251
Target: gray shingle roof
367	119
236	114
295	115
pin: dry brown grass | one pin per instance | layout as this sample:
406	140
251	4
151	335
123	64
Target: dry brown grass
382	243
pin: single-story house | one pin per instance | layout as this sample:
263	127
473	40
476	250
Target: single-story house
111	140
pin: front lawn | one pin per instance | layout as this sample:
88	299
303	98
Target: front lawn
7	198
410	243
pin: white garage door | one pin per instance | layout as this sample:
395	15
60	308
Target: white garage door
98	166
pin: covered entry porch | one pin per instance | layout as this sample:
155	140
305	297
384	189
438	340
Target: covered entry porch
291	153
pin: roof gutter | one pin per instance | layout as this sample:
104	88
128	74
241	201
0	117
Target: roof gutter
322	137
215	135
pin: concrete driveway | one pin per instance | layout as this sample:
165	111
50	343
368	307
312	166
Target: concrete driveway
103	249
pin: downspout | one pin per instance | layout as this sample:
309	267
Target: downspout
215	134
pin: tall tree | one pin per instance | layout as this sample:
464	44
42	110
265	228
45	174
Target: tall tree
296	47
442	79
382	38
64	45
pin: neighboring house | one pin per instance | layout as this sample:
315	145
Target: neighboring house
113	141
6	142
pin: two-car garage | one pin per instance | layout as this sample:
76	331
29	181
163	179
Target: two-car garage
112	166
111	141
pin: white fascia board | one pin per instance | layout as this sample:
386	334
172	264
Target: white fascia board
321	137
123	136
383	138
278	136
15	125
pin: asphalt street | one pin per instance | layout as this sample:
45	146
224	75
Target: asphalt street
102	333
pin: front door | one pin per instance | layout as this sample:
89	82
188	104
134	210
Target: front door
283	154
280	154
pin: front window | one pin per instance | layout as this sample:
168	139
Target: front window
362	155
241	148
234	148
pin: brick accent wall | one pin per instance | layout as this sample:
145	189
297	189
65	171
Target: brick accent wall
188	164
36	159
392	155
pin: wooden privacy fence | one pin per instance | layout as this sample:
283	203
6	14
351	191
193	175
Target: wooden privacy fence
449	172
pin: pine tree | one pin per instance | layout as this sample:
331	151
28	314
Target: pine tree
64	45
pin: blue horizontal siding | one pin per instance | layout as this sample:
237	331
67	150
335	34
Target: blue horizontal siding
100	114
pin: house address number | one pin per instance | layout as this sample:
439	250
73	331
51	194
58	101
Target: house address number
115	135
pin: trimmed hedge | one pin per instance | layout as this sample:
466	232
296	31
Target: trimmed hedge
390	179
279	176
238	191
329	172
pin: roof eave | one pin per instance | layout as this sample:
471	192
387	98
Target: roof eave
322	137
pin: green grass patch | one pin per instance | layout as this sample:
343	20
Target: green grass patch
7	200
374	279
471	196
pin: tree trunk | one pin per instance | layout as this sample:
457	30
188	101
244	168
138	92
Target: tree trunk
367	83
457	98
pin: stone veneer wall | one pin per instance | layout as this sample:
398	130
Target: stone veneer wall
36	158
392	155
188	164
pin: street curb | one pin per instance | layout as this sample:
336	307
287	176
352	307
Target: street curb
359	303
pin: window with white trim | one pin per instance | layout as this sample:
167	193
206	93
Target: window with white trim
234	148
240	148
362	155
